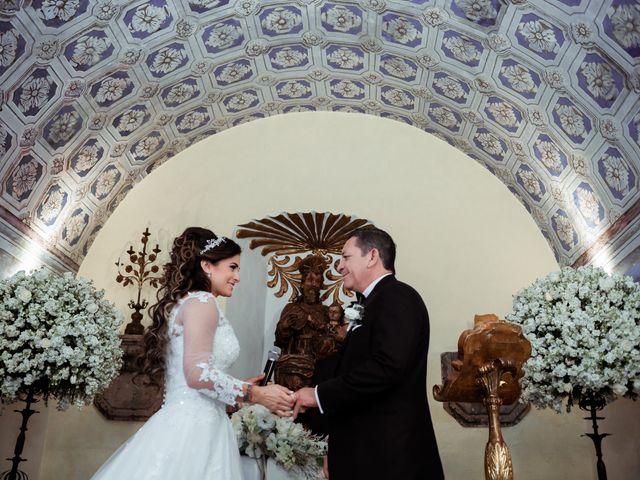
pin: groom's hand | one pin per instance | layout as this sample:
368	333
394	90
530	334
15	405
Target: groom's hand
305	398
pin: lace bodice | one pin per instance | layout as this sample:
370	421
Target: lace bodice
204	352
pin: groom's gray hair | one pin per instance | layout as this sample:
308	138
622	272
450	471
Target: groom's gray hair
370	237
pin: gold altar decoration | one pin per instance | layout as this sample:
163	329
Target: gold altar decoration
489	364
289	237
474	414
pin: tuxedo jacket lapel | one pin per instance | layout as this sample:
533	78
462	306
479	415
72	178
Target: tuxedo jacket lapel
377	289
347	351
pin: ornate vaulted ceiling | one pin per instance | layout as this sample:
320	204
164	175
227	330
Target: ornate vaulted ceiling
95	94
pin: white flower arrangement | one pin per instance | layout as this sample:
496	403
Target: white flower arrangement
584	329
58	338
261	435
354	313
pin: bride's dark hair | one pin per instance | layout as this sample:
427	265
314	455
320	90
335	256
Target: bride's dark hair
182	274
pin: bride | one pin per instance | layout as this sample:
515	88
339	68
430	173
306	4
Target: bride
192	344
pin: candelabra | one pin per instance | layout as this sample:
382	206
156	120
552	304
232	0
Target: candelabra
140	271
126	399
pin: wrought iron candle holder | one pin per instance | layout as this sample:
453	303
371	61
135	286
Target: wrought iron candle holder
126	399
593	403
140	271
15	473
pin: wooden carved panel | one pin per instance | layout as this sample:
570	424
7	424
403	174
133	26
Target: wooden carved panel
474	414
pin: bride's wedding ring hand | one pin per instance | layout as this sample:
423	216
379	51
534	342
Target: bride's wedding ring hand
288	412
284	413
276	398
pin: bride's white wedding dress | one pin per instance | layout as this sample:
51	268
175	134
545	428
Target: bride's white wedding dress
190	437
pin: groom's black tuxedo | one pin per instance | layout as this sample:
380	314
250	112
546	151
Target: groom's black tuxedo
379	422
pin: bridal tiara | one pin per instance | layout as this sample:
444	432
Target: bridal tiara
212	243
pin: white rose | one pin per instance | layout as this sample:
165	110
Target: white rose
626	345
619	389
92	308
23	294
41	275
351	314
606	283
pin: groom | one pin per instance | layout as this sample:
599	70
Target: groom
376	403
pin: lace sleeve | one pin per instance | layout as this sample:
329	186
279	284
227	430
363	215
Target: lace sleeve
199	317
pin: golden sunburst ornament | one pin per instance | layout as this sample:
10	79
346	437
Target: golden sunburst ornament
291	237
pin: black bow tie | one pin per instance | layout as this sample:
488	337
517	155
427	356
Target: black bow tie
360	298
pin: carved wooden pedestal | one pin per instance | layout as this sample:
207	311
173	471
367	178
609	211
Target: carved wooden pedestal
130	397
489	364
474	414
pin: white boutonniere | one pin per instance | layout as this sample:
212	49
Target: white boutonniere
354	313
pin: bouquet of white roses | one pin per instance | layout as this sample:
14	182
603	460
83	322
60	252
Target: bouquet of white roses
261	434
584	329
58	337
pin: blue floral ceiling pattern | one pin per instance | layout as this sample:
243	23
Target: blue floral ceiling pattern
95	94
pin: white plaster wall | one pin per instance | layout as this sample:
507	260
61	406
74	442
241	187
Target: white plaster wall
247	309
464	242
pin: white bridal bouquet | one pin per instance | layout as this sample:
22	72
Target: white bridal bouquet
584	329
58	338
261	434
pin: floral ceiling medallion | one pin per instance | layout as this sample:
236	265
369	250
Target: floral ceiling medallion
112	89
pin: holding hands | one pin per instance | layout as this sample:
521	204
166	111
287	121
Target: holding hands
276	398
305	398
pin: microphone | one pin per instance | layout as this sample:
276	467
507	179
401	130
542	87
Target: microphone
272	358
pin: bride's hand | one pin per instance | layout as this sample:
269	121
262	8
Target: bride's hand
278	399
255	380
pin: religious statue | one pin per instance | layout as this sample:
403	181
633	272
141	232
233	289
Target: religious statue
337	324
303	331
